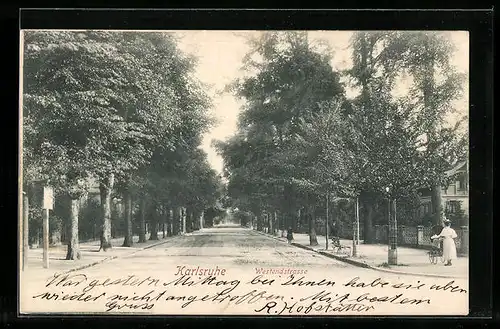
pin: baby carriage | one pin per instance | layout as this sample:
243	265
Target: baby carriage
436	253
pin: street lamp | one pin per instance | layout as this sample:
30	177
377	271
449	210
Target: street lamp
393	230
355	230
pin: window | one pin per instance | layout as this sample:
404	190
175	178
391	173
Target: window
453	206
425	208
460	184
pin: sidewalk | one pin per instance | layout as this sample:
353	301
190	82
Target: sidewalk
90	255
410	260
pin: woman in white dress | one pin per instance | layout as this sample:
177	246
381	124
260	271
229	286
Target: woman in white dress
449	249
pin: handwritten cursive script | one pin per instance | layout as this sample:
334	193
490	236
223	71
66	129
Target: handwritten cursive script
267	295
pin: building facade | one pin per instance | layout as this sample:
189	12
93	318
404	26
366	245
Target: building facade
454	197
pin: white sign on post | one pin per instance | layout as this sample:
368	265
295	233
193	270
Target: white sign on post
48	198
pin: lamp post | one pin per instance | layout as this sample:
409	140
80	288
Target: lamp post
393	230
355	231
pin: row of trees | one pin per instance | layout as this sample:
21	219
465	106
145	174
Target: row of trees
121	110
301	139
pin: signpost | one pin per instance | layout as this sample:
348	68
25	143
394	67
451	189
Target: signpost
48	204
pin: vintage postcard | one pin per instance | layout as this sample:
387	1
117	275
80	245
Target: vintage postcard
262	173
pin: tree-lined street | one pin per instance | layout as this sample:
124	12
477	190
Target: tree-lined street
113	153
229	246
226	247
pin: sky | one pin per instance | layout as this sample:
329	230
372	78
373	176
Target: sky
220	55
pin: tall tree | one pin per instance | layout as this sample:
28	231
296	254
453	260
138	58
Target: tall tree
290	79
379	60
436	85
99	105
57	112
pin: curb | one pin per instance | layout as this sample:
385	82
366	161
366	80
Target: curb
362	264
82	267
269	235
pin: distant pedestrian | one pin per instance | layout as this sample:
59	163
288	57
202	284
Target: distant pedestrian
449	248
289	235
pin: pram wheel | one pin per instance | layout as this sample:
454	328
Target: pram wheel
433	256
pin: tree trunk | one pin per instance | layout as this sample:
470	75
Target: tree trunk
194	220
105	187
290	211
428	89
202	213
259	222
270	219
128	241
368	222
73	241
313	239
169	222
333	217
154	223
276	223
176	221
183	220
437	206
142	221
189	220
163	222
284	222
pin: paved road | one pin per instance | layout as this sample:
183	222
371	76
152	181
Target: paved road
241	252
225	247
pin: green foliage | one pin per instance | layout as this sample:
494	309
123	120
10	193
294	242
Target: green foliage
125	103
243	217
456	214
265	162
300	138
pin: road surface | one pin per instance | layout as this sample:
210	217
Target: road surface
225	247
